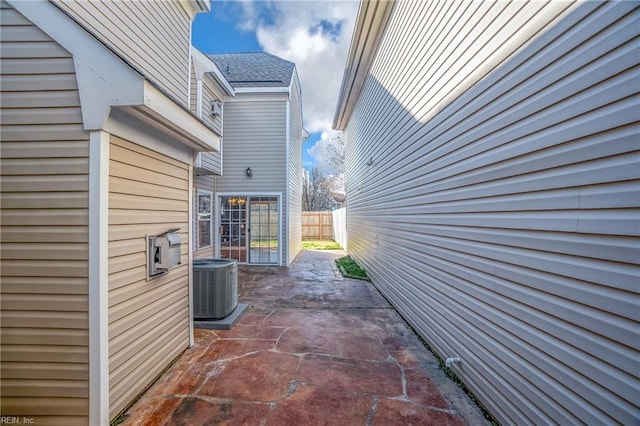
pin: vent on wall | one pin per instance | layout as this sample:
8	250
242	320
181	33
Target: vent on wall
216	108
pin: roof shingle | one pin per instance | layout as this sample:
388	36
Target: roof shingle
257	69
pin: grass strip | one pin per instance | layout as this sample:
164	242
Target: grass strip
350	269
320	245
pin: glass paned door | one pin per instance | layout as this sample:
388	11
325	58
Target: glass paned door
263	226
233	228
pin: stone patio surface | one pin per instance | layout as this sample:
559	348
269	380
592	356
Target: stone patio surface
313	348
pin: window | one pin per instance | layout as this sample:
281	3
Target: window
204	218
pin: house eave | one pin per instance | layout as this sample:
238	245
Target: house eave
162	113
106	80
195	6
370	25
202	65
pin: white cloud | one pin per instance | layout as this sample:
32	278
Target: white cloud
329	152
316	36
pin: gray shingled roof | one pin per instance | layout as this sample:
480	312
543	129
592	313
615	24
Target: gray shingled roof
258	69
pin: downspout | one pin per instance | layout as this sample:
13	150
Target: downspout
199	97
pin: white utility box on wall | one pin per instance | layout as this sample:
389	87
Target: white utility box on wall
163	252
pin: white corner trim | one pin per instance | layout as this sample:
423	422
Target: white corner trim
199	97
288	178
190	66
281	231
98	278
191	225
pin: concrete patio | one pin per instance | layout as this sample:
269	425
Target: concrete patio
312	349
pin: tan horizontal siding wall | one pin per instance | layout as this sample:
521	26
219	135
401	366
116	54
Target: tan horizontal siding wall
152	35
255	136
44	268
294	174
500	214
148	320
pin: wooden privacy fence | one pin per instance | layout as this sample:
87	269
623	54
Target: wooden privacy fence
317	225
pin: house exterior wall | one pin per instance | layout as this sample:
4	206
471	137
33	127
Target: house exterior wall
193	91
44	233
211	160
148	319
153	35
255	134
499	211
207	183
294	172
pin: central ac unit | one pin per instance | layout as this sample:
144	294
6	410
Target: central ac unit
215	288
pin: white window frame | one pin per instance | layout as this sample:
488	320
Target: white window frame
198	220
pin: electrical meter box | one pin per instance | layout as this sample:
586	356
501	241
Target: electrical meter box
164	251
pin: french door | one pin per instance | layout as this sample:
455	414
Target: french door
249	230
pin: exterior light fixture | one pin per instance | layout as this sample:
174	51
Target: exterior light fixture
369	163
249	172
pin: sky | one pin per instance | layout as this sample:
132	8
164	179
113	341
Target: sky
314	34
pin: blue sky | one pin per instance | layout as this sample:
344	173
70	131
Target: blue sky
315	35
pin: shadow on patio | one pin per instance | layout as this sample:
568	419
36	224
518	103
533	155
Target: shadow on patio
313	349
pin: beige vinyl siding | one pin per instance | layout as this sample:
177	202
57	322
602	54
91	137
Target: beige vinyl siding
500	214
44	268
151	35
148	320
294	173
255	134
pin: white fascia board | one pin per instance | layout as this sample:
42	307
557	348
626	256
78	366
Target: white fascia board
259	97
370	25
262	90
105	80
174	119
195	6
202	64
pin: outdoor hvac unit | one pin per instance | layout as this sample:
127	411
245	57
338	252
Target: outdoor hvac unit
215	288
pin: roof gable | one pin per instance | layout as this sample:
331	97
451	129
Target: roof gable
257	69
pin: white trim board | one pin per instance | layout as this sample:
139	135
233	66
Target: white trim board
98	278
